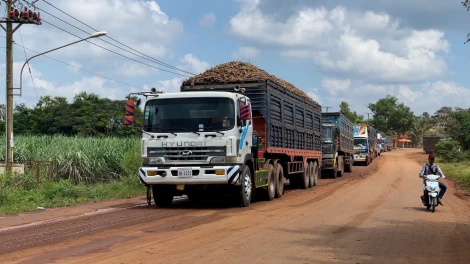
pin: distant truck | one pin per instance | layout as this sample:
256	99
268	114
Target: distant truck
379	140
239	138
337	144
365	143
430	141
389	143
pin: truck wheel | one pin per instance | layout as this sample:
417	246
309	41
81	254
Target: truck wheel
245	188
348	167
270	190
340	173
279	172
304	178
334	172
316	173
163	194
311	176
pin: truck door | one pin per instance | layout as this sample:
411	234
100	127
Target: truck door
245	124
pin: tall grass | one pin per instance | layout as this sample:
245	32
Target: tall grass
459	172
81	160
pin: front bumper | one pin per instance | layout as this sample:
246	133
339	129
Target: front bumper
358	157
327	164
200	175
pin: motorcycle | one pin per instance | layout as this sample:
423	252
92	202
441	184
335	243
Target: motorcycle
431	191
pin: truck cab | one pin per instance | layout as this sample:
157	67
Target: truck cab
192	140
330	138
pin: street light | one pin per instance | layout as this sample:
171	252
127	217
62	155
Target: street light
9	127
94	35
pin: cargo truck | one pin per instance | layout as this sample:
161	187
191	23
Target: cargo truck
337	144
364	144
238	139
430	141
389	143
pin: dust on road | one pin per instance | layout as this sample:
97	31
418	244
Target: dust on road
373	215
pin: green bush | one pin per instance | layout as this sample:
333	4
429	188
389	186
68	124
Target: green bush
448	151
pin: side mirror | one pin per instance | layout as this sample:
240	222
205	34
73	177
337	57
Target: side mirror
129	115
245	112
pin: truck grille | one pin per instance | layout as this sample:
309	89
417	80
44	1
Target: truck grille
327	149
186	153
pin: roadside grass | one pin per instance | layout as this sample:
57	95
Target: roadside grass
27	196
459	172
85	169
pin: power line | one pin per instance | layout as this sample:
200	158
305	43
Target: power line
146	56
124	56
157	61
80	68
29	68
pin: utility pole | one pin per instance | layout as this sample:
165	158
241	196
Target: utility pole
368	115
18	17
327	107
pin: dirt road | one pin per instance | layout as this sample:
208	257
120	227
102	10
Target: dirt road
373	215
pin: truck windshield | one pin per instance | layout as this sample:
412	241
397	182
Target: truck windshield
360	142
326	134
189	114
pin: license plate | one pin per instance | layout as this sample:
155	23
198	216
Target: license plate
185	172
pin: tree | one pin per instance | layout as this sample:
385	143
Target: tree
352	116
462	133
421	124
87	115
391	116
444	120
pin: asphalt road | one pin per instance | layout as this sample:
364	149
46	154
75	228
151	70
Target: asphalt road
373	215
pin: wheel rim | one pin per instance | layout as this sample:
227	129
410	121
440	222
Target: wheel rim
247	186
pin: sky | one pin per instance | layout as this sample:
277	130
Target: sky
355	51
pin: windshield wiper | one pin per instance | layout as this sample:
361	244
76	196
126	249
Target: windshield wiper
190	130
161	130
214	131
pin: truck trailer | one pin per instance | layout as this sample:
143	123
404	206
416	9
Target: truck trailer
337	144
365	142
430	141
238	137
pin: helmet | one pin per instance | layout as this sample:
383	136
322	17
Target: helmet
431	156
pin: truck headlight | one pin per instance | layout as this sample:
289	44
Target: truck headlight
152	160
224	160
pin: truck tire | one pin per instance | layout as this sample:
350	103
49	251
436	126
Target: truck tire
279	172
245	189
270	190
316	172
334	173
311	176
348	167
341	172
304	178
163	195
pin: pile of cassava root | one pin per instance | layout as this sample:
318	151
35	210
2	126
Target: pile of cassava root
240	71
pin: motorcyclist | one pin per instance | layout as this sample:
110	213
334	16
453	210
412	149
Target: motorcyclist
433	168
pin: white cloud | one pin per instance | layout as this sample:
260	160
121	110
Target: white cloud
193	65
425	97
141	25
335	86
245	53
190	63
366	45
208	20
